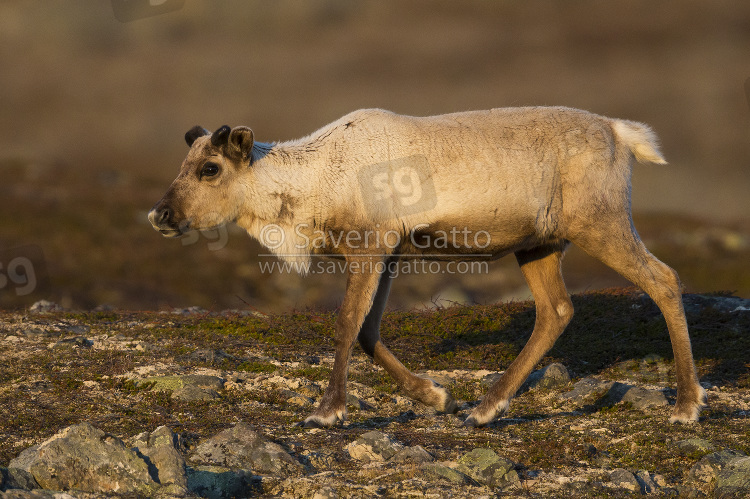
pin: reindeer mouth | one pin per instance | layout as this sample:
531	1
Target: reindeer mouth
170	232
161	220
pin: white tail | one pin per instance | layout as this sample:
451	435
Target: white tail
641	140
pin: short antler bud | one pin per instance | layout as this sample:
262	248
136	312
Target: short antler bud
220	136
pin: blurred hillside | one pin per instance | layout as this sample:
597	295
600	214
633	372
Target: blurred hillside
92	113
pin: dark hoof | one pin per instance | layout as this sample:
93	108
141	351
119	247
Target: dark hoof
470	422
450	408
311	423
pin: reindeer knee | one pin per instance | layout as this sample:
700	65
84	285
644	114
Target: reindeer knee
673	280
670	286
564	311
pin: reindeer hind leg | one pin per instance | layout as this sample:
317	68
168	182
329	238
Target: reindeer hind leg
541	268
618	246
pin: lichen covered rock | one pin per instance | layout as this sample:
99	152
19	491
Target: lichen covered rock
85	458
241	447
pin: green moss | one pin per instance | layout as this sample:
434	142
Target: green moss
312	373
466	390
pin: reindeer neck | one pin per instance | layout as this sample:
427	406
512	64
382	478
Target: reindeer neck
284	194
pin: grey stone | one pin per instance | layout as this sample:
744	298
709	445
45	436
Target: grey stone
44	306
217	482
406	416
416	454
486	467
44	494
15	478
694	445
326	492
734	479
625	479
191	387
192	393
648	486
352	401
490	379
586	387
615	392
552	376
321	459
688	492
710	465
296	399
373	446
643	398
38	332
25	459
310	390
440	471
601	459
241	447
76	341
695	304
203	381
173	383
357	403
85	458
160	450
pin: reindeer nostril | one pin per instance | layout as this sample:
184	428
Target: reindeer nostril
165	215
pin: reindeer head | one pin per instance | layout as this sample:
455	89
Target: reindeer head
205	193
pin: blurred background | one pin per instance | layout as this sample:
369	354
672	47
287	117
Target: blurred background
93	112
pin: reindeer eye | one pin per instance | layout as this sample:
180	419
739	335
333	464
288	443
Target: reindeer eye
209	170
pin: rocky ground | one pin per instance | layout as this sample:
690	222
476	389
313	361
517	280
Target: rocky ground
191	403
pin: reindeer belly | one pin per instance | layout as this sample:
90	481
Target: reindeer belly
488	237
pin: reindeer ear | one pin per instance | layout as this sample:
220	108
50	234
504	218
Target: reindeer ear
220	136
241	142
194	133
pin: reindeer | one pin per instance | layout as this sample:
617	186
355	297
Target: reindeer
529	180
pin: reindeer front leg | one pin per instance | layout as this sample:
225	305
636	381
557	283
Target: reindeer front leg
361	285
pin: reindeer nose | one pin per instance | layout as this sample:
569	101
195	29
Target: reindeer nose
160	216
